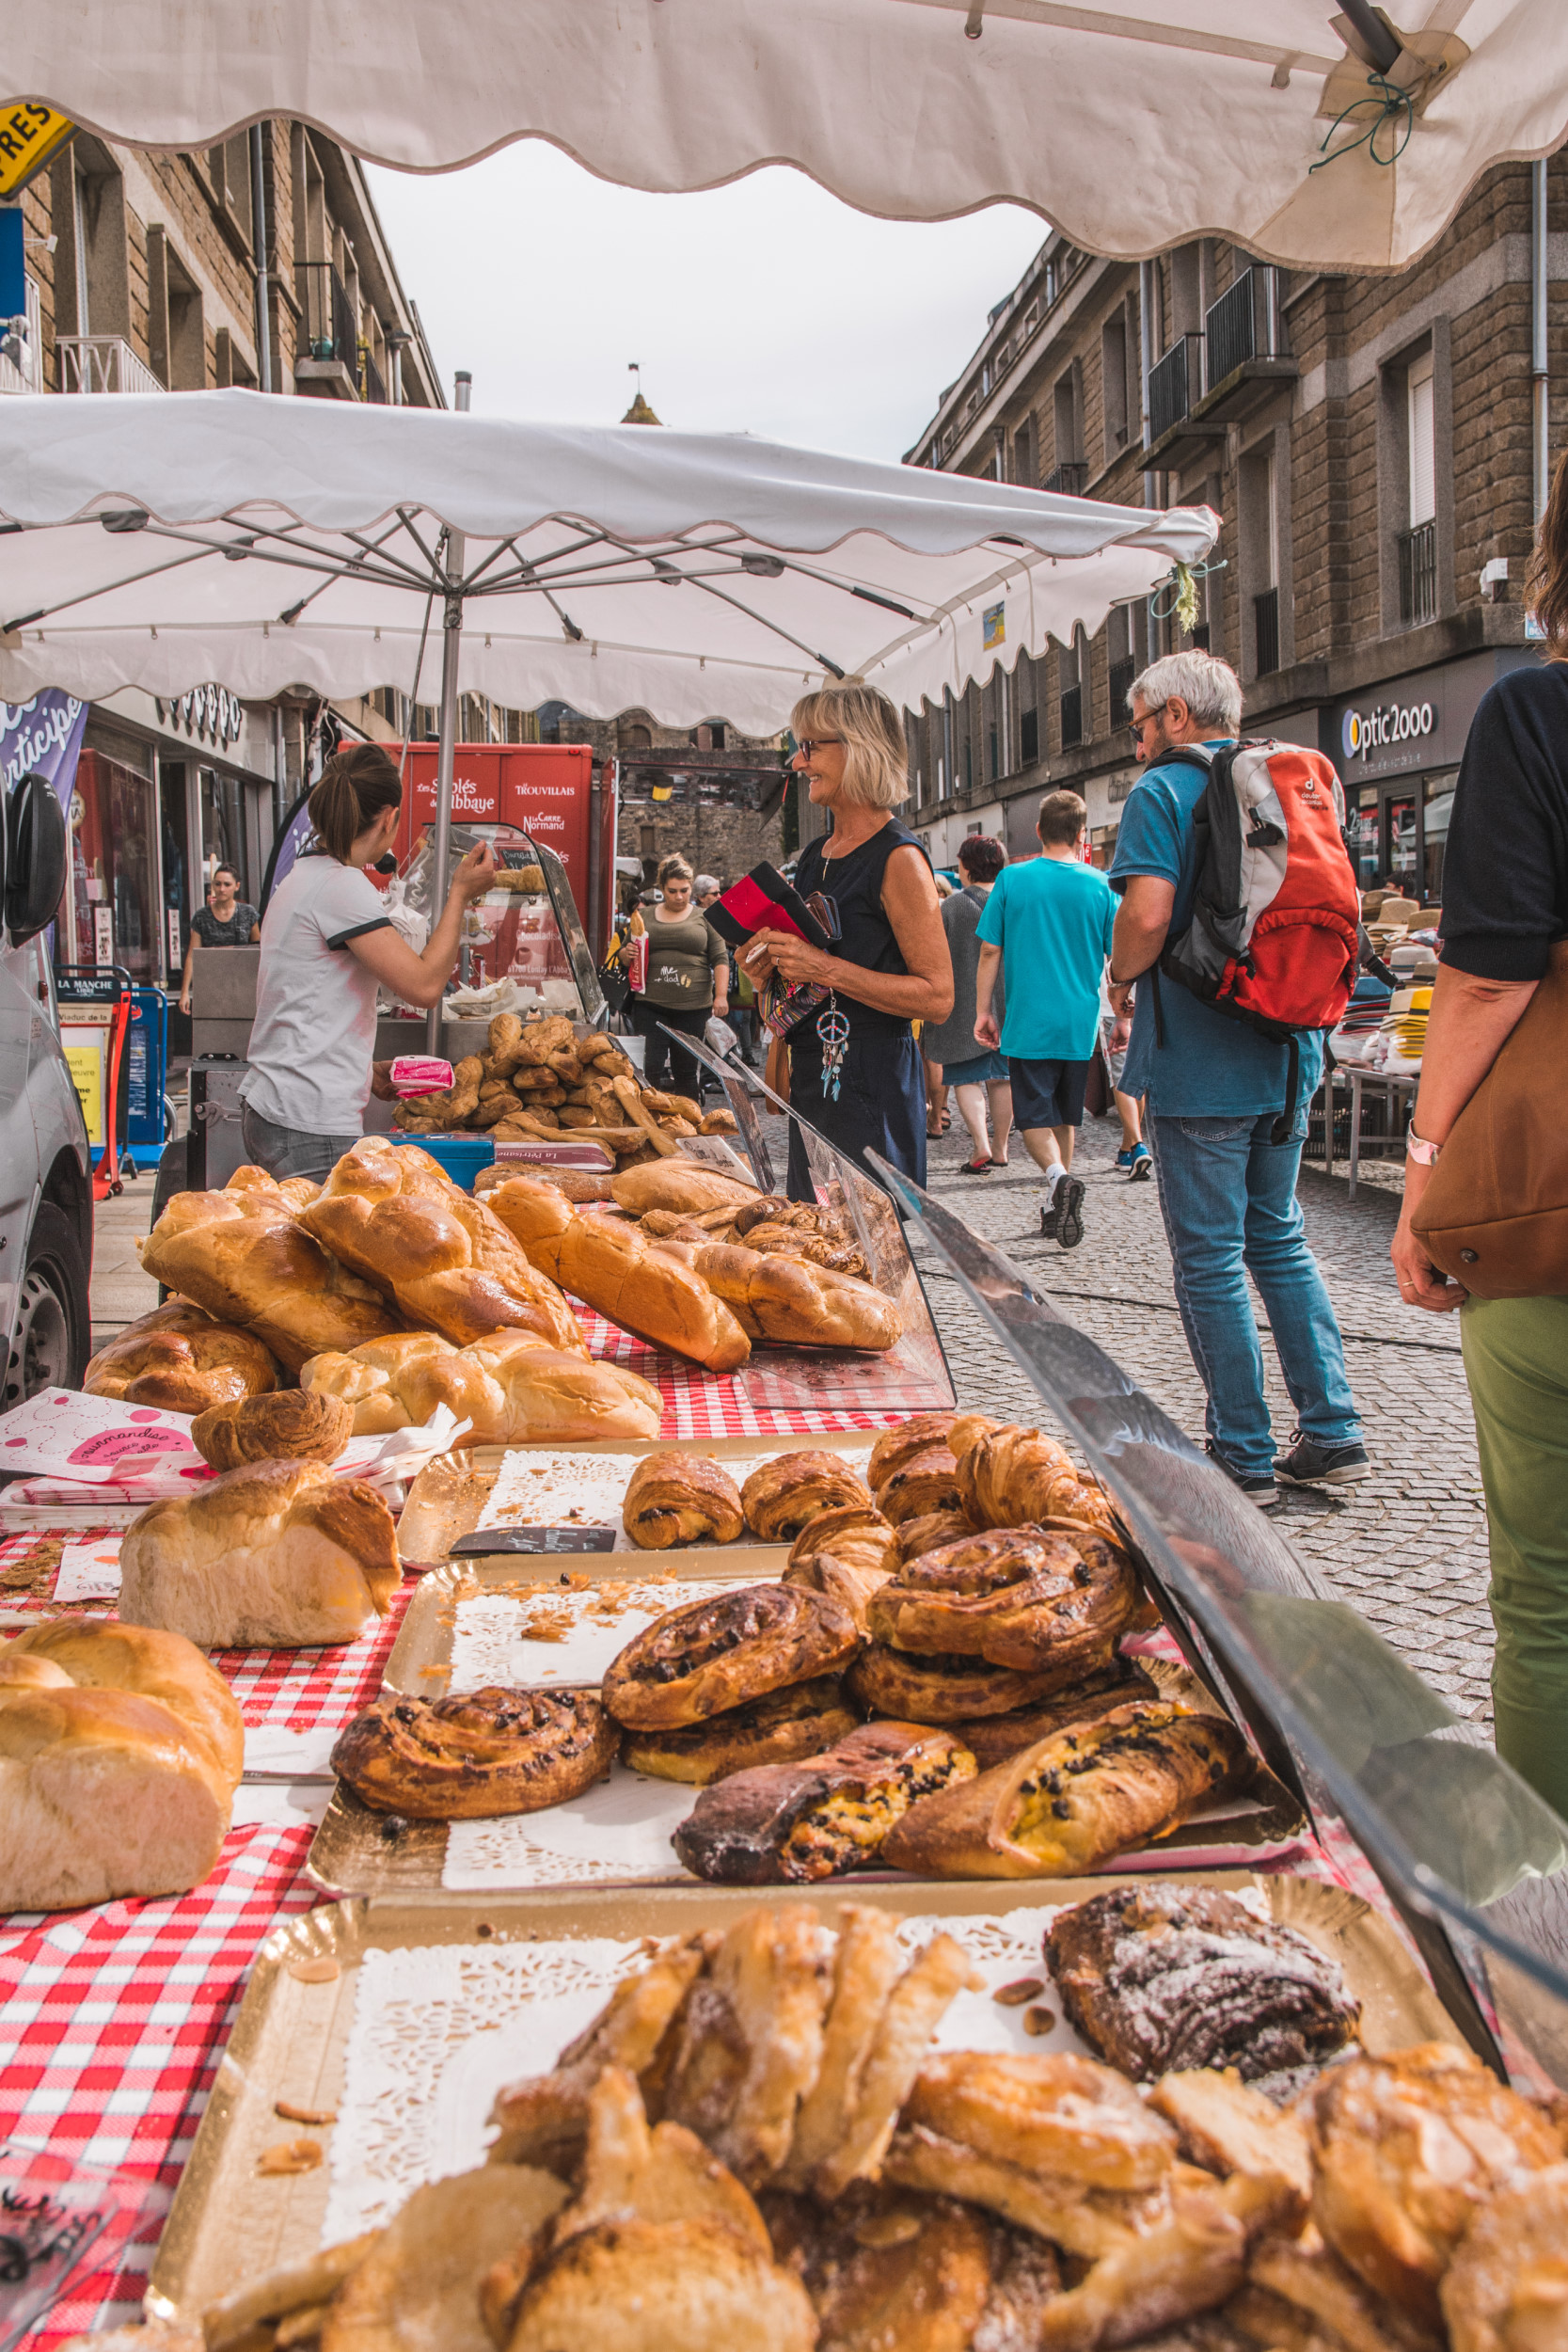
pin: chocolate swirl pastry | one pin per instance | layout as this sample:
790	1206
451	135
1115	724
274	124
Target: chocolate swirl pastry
1016	1597
780	1496
993	1739
681	1498
941	1690
805	1822
778	1729
486	1752
1161	1977
927	1534
896	1447
714	1654
925	1482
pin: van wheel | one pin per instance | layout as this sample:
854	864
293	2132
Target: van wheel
50	1342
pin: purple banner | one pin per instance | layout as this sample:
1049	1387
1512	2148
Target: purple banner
42	737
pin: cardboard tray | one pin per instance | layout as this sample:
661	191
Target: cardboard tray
448	1498
229	2225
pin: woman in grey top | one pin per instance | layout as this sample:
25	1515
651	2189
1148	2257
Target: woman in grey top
979	1080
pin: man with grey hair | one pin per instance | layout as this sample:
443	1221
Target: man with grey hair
1227	1193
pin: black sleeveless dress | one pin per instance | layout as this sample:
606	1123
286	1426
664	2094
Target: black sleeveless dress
881	1101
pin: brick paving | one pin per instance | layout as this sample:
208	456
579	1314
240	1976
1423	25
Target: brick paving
1408	1546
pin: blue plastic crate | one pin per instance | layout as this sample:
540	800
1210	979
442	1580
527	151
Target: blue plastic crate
462	1156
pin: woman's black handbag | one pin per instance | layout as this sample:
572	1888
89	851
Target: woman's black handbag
615	982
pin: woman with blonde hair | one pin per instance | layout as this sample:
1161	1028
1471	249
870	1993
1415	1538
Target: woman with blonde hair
854	1068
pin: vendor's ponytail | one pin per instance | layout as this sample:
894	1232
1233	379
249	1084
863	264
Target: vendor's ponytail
357	784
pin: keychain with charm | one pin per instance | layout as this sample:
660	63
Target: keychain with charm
832	1027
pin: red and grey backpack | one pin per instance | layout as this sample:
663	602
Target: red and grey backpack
1274	936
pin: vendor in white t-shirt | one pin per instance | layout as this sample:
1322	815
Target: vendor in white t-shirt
327	945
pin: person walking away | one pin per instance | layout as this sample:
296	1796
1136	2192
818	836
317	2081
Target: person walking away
1505	925
1227	1192
688	984
227	920
854	1066
1046	929
979	1080
1134	1159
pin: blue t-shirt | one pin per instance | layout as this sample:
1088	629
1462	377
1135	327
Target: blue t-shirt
1051	917
1209	1066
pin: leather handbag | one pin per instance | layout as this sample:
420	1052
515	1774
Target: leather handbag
1494	1214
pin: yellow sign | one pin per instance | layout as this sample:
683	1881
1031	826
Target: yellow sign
29	135
85	1064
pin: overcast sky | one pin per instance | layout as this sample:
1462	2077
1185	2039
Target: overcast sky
766	306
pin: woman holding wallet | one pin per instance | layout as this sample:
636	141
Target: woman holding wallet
854	1068
327	945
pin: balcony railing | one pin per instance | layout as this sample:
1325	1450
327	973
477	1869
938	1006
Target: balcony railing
1244	324
327	329
1174	382
22	363
1419	573
1122	675
102	363
1072	717
372	384
1069	478
1265	631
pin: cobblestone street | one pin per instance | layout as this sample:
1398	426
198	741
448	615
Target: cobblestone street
1408	1546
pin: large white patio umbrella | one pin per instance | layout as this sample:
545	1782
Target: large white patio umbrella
1307	130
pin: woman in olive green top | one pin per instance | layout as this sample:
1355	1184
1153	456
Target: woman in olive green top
688	981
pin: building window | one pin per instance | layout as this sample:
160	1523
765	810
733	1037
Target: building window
1074	670
1112	377
1259	551
1029	736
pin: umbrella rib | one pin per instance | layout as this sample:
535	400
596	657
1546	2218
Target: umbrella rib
109	588
725	597
1110	27
399	574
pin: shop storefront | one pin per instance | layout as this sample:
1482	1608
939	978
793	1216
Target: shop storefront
1398	749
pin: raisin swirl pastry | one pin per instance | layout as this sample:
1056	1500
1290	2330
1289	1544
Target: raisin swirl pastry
951	1690
778	1729
780	1496
897	1446
484	1752
1016	1597
926	1534
681	1498
926	1483
696	1661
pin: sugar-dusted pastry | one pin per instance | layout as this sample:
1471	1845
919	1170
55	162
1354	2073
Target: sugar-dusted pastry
681	1498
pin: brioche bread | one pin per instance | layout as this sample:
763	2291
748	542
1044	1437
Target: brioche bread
614	1268
182	1362
275	1555
678	1183
290	1193
392	1214
119	1752
794	1304
513	1390
258	1268
296	1425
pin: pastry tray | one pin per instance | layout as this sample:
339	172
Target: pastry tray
448	1498
291	2039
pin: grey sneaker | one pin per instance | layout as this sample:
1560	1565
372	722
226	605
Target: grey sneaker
1068	1206
1257	1488
1308	1464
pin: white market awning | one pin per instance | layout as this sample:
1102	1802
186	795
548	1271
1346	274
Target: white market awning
165	542
1131	127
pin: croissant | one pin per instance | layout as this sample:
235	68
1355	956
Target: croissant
852	1532
513	1389
780	1496
1015	1597
394	1215
900	1444
805	1822
783	1725
180	1360
1067	1804
922	1483
481	1753
611	1266
1010	1477
681	1498
695	1661
261	1270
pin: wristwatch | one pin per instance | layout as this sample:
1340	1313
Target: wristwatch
1416	1148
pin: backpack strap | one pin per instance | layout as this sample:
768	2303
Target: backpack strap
1280	1131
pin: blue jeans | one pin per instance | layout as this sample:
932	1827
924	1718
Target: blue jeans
291	1150
1229	1198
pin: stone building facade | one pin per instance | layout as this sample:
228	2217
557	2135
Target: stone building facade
1368	444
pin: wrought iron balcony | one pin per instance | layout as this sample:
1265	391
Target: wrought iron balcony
1419	573
1244	324
102	363
372	384
1069	478
1175	383
327	328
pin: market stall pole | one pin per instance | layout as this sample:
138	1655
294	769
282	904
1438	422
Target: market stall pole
452	645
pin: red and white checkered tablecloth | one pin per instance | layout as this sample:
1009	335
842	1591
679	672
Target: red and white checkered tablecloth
763	1401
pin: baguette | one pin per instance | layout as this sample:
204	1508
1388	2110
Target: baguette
680	1183
264	1272
630	1100
394	1215
513	1391
615	1269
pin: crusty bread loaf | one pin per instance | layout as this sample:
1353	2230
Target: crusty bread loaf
392	1214
678	1183
294	1425
792	1303
513	1391
261	1270
275	1555
182	1362
576	1184
119	1752
614	1268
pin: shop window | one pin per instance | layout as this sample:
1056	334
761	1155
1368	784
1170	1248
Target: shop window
1369	841
1400	833
1437	793
223	840
114	903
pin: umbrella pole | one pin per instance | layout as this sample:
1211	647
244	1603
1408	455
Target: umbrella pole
451	646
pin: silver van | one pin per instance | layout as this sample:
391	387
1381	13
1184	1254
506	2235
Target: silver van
45	1162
